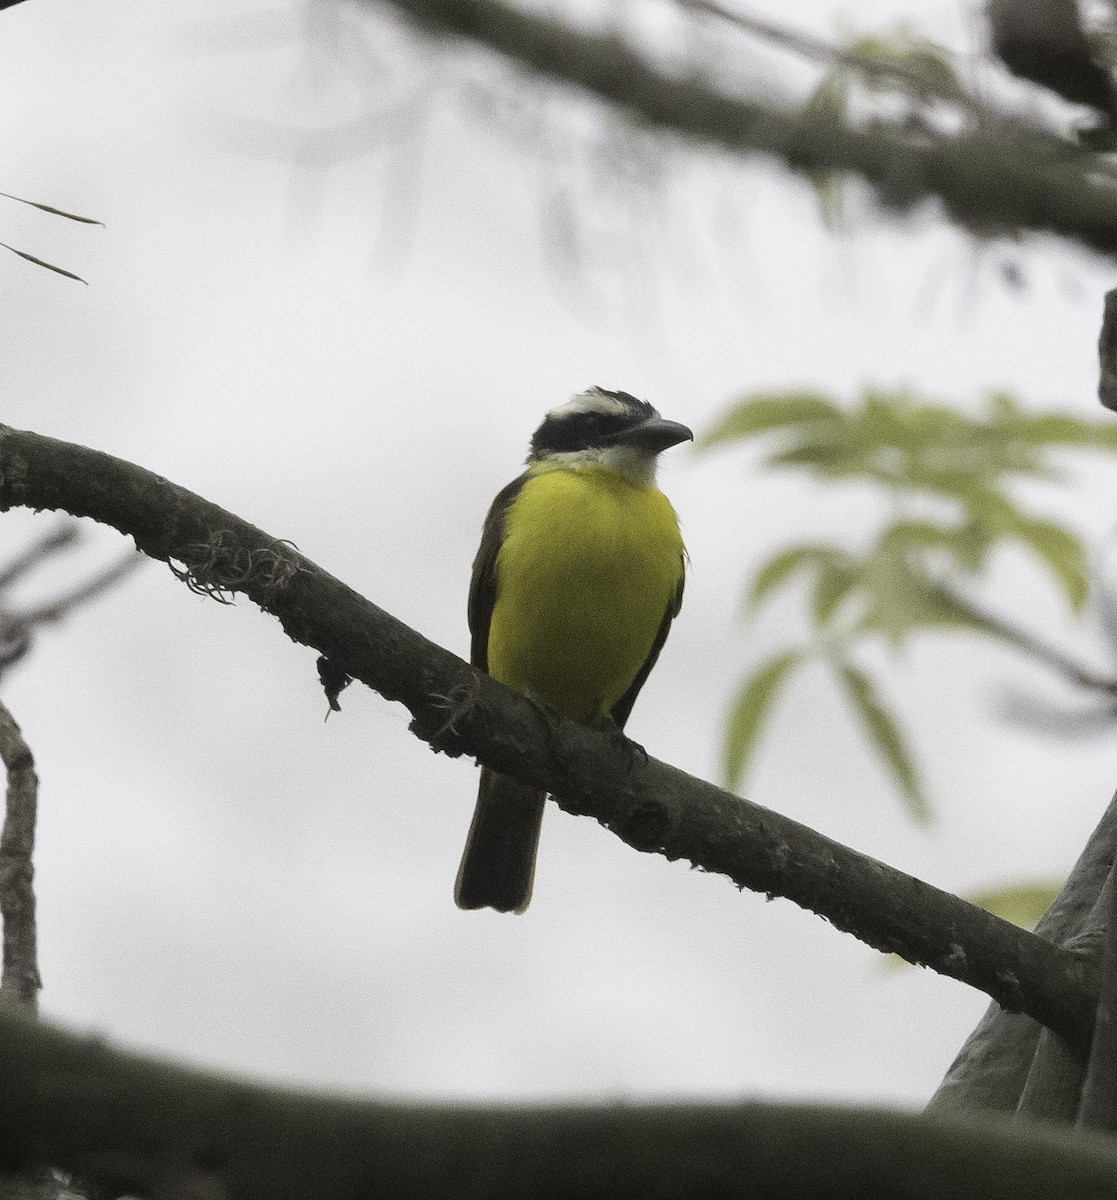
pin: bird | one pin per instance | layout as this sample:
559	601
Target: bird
579	574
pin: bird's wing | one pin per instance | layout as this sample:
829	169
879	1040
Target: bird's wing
623	706
482	585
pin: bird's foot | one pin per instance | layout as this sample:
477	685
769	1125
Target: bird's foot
633	751
547	714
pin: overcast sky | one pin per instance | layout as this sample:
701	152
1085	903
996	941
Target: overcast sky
352	352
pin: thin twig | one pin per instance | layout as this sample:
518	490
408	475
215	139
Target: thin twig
807	45
63	535
55	610
20	981
17	628
1050	656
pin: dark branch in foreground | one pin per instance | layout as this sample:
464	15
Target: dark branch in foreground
138	1126
993	182
652	807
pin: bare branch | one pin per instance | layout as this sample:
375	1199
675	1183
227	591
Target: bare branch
61	607
994	1066
17	628
64	534
1034	647
1098	1108
20	981
1043	41
1107	353
652	807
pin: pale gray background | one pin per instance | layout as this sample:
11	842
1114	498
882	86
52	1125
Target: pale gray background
353	358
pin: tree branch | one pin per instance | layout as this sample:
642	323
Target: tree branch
993	1066
1098	1103
61	537
652	807
18	628
139	1126
1028	643
993	182
20	981
61	606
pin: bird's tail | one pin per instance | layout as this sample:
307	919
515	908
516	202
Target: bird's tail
498	864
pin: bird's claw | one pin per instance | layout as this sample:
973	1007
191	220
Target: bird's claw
632	750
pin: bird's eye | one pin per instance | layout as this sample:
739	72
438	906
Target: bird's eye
602	425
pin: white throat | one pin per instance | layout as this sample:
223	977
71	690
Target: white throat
638	465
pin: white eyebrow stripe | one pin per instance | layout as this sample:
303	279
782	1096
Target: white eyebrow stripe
592	401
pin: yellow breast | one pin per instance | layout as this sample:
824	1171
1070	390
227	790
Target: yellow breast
589	563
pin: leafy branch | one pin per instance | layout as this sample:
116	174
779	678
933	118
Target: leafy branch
947	479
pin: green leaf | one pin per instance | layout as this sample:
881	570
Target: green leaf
923	535
766	412
749	712
1057	429
1062	552
1053	429
899	596
926	65
780	567
885	735
1004	409
827	456
932	73
829	102
948	609
1023	904
965	543
836	579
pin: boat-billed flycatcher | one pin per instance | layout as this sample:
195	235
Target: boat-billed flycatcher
579	575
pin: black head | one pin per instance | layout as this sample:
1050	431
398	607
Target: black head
595	423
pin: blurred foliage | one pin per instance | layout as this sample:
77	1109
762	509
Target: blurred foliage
1023	904
946	477
895	62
